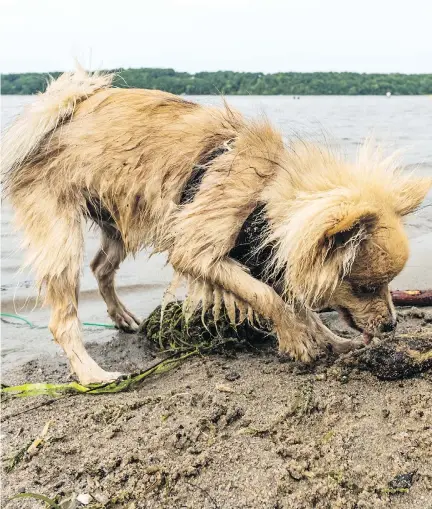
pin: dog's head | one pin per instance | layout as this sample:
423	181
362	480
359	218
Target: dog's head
344	242
362	294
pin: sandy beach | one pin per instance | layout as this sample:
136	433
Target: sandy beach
240	430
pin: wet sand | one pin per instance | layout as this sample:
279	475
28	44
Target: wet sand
242	430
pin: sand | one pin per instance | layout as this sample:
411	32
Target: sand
241	430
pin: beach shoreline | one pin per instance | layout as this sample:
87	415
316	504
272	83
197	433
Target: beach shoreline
331	435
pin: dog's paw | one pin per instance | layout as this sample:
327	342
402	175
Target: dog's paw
301	348
100	377
125	320
346	345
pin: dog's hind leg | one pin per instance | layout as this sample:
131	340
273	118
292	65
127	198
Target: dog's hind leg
104	266
55	239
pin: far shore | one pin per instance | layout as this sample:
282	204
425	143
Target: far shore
243	83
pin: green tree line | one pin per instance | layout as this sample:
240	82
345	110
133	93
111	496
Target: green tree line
243	83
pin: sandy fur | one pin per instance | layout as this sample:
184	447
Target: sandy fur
131	152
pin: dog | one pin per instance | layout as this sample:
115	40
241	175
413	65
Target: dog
253	224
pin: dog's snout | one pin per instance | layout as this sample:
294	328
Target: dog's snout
388	326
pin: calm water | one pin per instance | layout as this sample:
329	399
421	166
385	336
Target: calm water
397	123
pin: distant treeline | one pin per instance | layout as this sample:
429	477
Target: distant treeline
243	83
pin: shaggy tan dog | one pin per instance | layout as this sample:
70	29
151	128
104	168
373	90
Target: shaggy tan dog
252	224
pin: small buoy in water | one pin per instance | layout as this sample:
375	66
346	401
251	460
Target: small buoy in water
388	94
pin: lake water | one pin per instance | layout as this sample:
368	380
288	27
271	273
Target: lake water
398	123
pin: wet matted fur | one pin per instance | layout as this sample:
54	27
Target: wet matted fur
328	232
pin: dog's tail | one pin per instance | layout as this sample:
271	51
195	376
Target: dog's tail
49	111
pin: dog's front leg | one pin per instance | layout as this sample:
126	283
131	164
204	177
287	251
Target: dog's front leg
296	336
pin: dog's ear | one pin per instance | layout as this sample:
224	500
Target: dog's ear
348	220
410	193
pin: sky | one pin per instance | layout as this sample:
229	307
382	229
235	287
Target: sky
199	35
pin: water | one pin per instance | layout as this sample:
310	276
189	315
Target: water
398	123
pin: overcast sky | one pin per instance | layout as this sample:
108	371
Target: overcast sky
198	35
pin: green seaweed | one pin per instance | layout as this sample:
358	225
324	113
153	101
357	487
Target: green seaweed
120	385
37	496
175	337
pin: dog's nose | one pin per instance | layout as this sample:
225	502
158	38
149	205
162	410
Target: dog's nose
388	326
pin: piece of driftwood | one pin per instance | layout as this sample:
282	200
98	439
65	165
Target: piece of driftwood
412	297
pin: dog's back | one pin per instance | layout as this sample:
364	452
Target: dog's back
122	152
124	156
